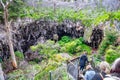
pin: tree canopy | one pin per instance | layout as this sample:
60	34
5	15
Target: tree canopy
15	9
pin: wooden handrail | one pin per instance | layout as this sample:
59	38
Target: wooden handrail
68	61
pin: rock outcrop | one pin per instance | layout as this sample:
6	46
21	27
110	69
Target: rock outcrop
25	36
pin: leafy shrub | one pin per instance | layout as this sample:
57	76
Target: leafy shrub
86	48
19	55
118	48
115	15
15	9
59	58
48	48
71	47
81	46
111	55
16	75
75	46
109	39
101	18
44	74
87	18
64	39
34	48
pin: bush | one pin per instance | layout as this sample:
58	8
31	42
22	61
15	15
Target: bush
75	46
44	74
71	47
111	55
109	39
16	75
59	58
64	39
118	48
33	48
19	55
48	48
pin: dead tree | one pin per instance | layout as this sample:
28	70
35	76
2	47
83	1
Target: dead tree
8	31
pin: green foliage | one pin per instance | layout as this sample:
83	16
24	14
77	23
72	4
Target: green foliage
75	46
48	48
19	55
15	9
115	15
109	39
44	74
52	66
118	48
71	47
111	55
101	18
60	14
35	48
58	58
64	39
16	75
60	74
87	22
88	18
36	60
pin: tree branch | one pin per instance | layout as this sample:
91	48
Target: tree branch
10	22
7	3
10	0
2	4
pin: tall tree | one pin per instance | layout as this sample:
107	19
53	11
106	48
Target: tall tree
8	31
16	9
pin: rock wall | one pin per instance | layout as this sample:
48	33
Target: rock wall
25	36
42	30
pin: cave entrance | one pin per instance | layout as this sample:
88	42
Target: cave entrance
62	33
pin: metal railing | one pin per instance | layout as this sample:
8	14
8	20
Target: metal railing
70	71
67	71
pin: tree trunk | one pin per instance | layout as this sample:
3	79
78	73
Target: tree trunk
9	38
1	73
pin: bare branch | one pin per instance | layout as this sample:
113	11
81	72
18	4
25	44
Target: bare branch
10	22
11	0
7	3
2	4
